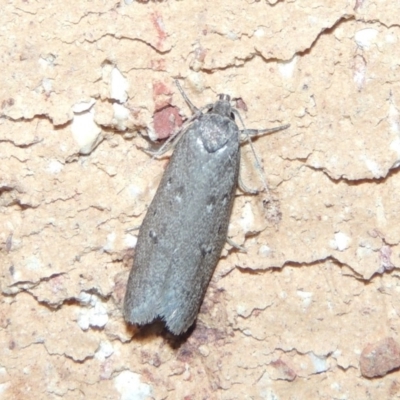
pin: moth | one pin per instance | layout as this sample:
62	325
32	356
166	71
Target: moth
184	231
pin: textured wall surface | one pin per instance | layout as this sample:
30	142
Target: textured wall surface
311	311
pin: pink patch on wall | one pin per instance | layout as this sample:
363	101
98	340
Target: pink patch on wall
166	122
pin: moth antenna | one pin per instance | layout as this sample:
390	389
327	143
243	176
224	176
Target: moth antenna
192	107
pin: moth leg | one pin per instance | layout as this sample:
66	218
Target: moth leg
245	133
236	246
170	142
174	139
244	188
134	228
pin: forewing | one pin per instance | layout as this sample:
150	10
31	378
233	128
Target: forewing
184	231
199	231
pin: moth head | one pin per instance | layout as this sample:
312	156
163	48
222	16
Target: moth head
223	107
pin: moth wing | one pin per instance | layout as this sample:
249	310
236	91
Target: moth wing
199	229
183	233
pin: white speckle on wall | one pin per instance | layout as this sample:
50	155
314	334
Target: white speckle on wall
85	131
306	297
130	387
105	350
287	68
54	167
341	241
95	315
366	37
319	363
119	86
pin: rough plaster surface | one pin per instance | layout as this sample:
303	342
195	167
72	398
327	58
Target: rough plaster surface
309	310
